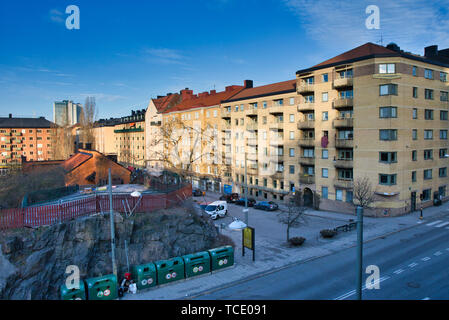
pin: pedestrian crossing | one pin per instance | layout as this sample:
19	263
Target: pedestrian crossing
438	224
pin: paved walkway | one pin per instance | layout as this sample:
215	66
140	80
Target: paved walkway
273	254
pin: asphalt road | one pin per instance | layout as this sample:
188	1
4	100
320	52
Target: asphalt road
414	264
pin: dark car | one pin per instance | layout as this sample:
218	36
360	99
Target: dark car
233	197
198	193
266	205
241	202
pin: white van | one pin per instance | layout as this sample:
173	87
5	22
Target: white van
217	209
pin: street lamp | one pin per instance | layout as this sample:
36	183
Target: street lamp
237	224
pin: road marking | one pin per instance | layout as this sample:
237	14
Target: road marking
352	292
442	225
425	259
398	271
414	264
435	222
438	253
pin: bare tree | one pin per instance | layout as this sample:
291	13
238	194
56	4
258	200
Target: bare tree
62	142
363	194
87	120
293	216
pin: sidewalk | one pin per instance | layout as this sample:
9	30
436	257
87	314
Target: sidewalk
273	254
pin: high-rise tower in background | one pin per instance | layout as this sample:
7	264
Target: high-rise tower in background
66	112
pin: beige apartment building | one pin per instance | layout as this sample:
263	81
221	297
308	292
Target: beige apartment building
104	136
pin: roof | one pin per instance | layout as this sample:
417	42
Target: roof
205	99
368	51
25	123
76	160
267	90
168	101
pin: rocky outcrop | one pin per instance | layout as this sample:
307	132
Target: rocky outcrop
33	261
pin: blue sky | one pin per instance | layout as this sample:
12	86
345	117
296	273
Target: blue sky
127	52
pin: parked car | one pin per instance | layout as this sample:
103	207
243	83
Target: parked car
266	205
217	209
233	197
241	202
198	193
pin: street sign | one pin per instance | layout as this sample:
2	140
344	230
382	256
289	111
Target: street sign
248	240
227	189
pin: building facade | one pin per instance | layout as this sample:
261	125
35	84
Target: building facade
104	136
66	113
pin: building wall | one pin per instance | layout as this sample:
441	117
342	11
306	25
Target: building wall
130	144
153	149
105	140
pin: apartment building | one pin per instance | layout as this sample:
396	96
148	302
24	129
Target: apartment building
66	113
30	138
104	136
375	112
260	128
129	135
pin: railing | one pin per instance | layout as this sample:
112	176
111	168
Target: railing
344	163
305	88
57	213
343	82
251	126
306	142
306	124
225	113
307	160
344	143
342	103
139	129
306	106
343	122
306	179
343	183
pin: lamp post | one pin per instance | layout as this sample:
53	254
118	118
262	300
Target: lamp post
111	219
359	211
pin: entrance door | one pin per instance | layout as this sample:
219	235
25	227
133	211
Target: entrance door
308	197
413	202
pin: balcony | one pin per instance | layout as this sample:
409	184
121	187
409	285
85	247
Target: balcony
343	123
18	134
310	142
343	103
343	183
278	175
305	88
253	170
226	113
252	156
308	124
139	129
309	106
308	161
251	112
277	158
226	141
344	163
344	143
343	82
252	141
306	179
251	126
226	126
277	141
276	109
276	126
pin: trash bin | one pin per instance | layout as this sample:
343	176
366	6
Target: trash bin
73	294
144	275
196	263
169	270
221	257
102	288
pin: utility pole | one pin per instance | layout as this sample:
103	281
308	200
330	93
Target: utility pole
111	219
359	211
246	189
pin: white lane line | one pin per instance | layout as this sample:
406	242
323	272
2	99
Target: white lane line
426	298
438	253
414	264
442	224
433	223
398	271
425	259
352	292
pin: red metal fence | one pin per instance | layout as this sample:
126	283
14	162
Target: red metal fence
56	213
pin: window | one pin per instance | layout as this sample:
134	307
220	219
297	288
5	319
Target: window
428	94
442	172
415	71
444	96
339	195
427	174
415	92
292	101
387	68
215	113
428	134
388	89
292	135
292	152
388	134
324	192
325	77
443	134
292	169
325	116
428	114
387	179
442	153
426	194
415	134
442	191
292	118
346	73
443	76
324	172
349	196
325	97
348	94
415	113
309	99
264	104
264	120
428	154
388	157
325	154
388	112
414	155
428	74
279	102
413	176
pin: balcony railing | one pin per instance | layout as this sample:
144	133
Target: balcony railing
343	103
225	113
343	183
252	156
276	125
344	163
307	160
309	106
344	143
276	108
306	179
139	129
252	141
308	142
226	126
343	82
308	124
343	123
251	112
251	126
306	88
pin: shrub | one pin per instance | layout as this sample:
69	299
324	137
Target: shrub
297	241
328	233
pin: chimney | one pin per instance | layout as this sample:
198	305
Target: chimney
160	97
431	51
10	115
248	84
213	91
186	94
203	94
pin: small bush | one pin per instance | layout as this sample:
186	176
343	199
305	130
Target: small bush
297	241
328	233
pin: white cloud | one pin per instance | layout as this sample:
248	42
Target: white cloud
56	16
412	24
103	96
165	56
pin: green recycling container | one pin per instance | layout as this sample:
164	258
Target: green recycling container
196	263
73	294
102	288
169	270
144	275
221	257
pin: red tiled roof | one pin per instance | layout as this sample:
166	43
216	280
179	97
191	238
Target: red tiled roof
205	99
76	160
270	89
166	102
